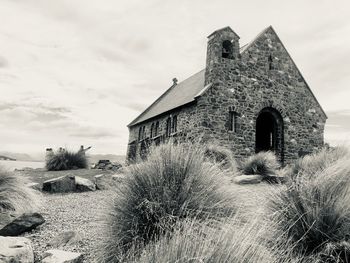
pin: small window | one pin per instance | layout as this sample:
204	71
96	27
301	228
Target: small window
156	132
152	130
174	124
168	127
143	132
270	59
233	121
227	49
140	133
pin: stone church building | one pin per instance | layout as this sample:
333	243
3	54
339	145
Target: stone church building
248	98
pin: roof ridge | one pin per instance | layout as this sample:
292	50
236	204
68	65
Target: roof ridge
161	97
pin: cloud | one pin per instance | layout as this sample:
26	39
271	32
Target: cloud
3	62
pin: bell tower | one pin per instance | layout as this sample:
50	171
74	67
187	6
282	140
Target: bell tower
222	49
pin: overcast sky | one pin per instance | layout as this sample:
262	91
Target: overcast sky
78	71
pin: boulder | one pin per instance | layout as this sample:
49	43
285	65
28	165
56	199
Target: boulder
16	250
84	185
22	224
65	238
100	181
61	256
61	184
6	218
248	179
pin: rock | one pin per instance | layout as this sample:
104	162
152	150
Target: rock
6	218
107	165
16	250
84	185
65	238
248	179
61	184
61	256
101	181
22	224
35	186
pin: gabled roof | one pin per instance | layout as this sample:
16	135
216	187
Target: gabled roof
246	47
176	96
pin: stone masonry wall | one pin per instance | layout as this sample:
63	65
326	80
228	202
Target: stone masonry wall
248	85
187	125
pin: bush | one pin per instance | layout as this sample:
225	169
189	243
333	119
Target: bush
66	160
221	156
194	241
311	164
262	163
312	214
15	195
172	185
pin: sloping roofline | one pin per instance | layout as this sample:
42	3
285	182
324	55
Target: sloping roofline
246	47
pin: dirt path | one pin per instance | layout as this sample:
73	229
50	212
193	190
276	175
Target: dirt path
78	212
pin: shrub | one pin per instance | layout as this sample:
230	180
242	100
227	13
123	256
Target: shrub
173	184
66	160
262	163
311	164
195	241
221	156
312	214
15	195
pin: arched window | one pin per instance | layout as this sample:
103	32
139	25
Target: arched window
174	124
233	121
270	59
156	132
168	127
227	49
152	130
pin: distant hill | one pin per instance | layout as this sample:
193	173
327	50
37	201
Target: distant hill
23	156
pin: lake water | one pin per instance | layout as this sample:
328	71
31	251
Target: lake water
12	165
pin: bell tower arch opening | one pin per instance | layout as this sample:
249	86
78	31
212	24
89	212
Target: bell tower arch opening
269	134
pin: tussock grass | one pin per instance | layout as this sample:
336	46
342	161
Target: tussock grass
195	241
66	160
312	213
174	184
15	196
221	156
310	164
262	163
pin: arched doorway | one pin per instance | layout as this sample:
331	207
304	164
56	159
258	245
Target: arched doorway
269	132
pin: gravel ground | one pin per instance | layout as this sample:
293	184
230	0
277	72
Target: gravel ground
78	212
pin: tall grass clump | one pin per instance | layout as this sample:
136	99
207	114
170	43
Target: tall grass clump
262	163
66	160
174	184
15	195
221	156
311	164
194	241
312	213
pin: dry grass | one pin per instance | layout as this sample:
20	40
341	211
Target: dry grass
174	184
221	156
262	163
312	213
66	160
15	195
